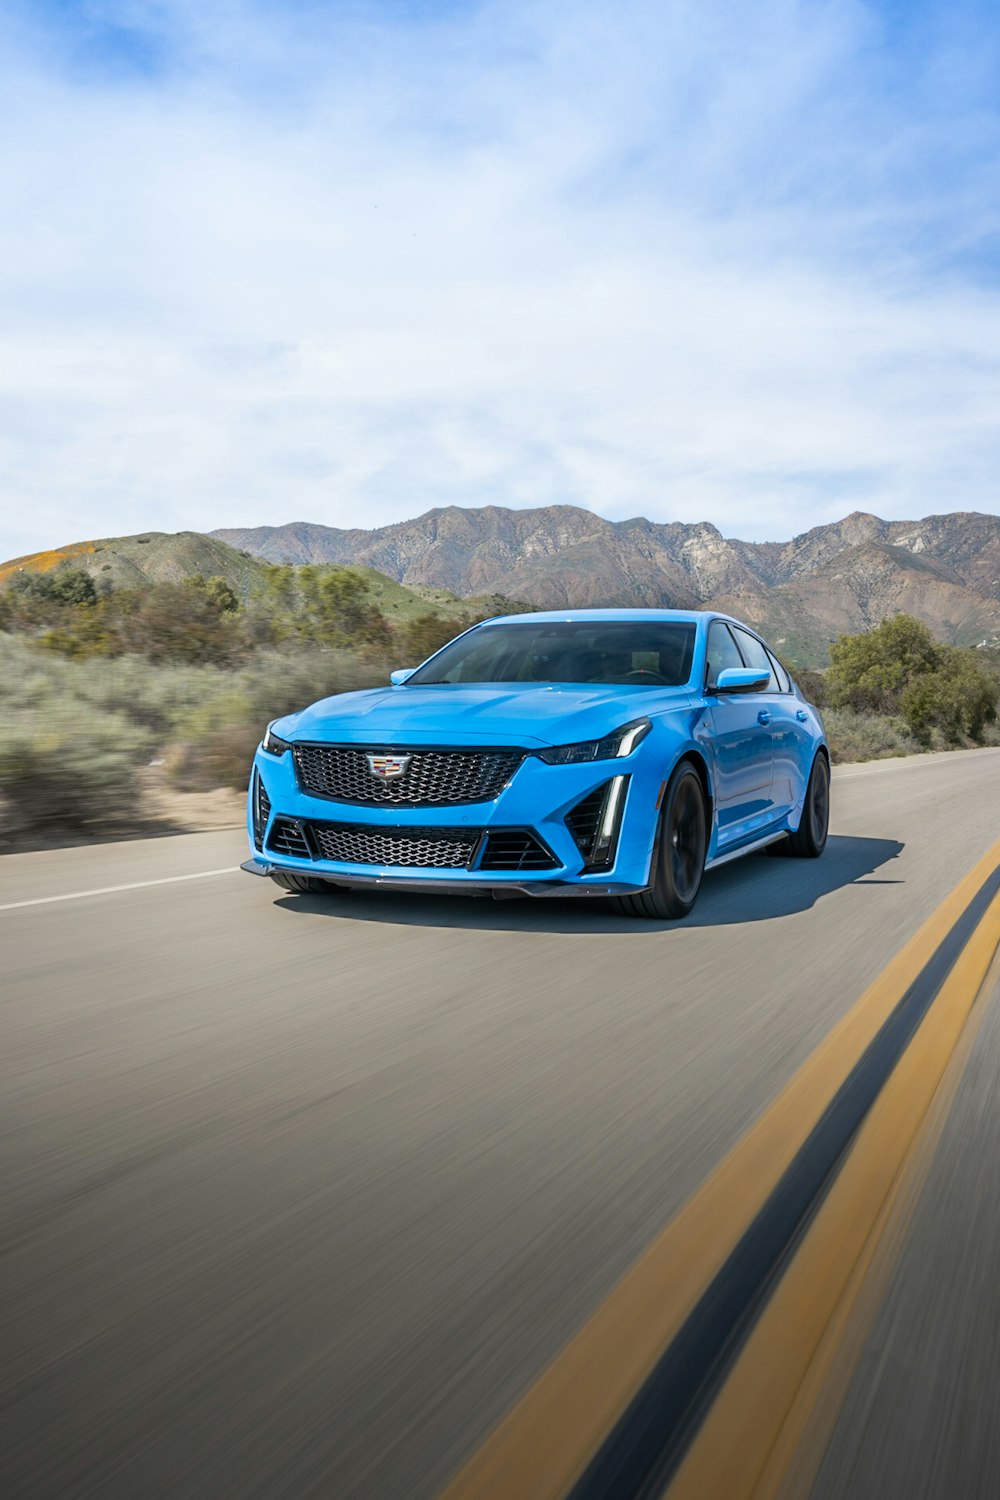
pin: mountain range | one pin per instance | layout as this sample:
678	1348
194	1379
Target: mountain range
846	576
801	594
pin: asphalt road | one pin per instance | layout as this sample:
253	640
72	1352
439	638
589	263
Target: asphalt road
298	1194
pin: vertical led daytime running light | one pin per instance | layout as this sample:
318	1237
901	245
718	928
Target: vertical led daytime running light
615	789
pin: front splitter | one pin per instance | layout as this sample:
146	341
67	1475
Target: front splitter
498	889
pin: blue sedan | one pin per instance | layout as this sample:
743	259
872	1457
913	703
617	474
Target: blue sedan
612	753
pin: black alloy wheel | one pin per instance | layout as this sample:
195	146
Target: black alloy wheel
809	839
679	855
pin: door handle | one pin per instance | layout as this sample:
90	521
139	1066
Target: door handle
801	715
763	717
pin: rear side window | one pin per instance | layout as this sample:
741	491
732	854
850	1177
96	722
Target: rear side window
755	655
784	682
722	652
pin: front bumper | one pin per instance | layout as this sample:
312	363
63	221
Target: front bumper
537	799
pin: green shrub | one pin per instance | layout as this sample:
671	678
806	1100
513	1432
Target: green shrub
899	670
70	767
812	684
203	720
958	699
870	672
853	736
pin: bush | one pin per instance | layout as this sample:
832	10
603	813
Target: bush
870	672
203	720
812	685
959	700
854	736
899	670
70	767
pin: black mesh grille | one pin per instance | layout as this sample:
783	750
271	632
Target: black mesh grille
368	844
584	820
516	849
288	837
434	777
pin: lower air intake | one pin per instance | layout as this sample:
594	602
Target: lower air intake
288	837
403	847
516	849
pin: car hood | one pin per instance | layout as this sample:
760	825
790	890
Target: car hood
488	713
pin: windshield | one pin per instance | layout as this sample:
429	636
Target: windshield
635	652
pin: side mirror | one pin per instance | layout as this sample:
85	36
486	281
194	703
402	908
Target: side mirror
741	680
401	675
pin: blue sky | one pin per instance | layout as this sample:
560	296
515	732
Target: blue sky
344	262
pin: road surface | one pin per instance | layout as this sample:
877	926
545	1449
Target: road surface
300	1194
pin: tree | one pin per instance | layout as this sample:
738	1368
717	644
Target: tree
871	671
62	586
334	609
427	634
73	586
900	669
959	699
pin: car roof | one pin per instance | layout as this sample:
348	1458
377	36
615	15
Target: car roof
586	616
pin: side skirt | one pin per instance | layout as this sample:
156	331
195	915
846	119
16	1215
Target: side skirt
751	848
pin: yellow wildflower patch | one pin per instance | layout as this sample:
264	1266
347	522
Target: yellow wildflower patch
43	562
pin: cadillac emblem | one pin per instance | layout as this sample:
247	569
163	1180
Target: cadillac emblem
388	767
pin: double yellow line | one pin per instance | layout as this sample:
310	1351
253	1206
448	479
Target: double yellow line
561	1438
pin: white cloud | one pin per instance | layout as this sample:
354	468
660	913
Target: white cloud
687	261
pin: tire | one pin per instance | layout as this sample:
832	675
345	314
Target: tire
678	854
304	885
809	839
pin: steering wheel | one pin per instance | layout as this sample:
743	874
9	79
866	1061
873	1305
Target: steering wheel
646	672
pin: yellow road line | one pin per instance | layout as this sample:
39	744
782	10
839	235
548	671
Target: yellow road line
543	1445
745	1446
828	1378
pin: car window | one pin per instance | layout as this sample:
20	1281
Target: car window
755	655
784	683
633	653
722	652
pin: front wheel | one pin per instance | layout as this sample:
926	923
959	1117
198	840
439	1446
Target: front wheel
679	854
809	839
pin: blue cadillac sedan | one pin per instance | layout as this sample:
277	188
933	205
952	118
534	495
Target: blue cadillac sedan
613	753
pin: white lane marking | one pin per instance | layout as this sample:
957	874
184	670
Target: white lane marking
911	762
110	890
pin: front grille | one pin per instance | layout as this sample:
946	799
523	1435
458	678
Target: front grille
288	836
368	844
434	777
516	849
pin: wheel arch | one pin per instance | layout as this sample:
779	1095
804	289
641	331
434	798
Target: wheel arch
695	758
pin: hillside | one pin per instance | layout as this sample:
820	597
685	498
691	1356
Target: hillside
150	557
163	557
846	576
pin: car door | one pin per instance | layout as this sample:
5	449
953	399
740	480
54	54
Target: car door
792	731
742	736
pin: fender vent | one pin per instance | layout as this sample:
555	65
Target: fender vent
584	819
261	806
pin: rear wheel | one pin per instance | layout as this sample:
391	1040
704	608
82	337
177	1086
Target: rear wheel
305	885
679	855
809	839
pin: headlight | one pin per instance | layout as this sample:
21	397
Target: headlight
622	742
272	744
